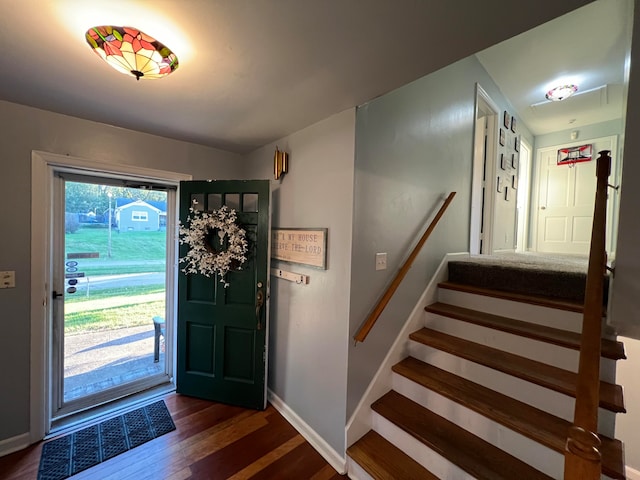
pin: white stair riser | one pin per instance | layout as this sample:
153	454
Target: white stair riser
543	398
429	459
525	347
538	456
561	357
356	472
550	317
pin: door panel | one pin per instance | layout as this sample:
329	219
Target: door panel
566	199
222	332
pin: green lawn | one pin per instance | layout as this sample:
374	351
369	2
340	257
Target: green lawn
121	307
131	252
124	246
114	308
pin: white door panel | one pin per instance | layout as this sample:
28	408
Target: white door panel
566	196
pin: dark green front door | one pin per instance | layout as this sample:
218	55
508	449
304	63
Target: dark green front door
222	331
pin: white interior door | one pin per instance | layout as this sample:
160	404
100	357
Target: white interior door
566	195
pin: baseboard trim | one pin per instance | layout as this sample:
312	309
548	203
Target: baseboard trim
632	473
330	455
14	444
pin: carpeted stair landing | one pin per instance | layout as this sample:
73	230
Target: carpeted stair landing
551	276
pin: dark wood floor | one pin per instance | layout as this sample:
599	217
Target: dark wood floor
211	441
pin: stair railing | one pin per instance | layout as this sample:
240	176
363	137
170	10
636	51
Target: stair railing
583	460
395	283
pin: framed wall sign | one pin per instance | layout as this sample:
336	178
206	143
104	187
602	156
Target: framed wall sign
306	246
583	153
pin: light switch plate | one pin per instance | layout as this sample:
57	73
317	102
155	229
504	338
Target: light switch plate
381	261
8	279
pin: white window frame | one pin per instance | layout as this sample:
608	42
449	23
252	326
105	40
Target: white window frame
143	216
43	165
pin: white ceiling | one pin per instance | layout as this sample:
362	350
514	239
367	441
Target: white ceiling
252	71
588	47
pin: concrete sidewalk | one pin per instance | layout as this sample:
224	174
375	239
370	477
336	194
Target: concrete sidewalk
96	361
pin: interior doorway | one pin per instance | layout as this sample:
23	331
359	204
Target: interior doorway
104	259
563	208
483	183
522	199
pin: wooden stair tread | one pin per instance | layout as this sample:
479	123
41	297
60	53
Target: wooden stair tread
472	454
516	297
529	421
609	348
383	460
539	373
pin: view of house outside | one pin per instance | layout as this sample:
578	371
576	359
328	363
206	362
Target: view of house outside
115	262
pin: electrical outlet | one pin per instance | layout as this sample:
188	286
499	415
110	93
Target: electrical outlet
8	279
381	261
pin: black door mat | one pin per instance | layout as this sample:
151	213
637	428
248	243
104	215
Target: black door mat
65	456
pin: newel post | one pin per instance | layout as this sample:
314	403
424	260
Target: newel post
583	460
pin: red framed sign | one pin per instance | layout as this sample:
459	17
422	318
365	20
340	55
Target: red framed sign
575	154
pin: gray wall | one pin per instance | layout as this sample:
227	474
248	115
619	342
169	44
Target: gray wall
309	323
413	146
23	129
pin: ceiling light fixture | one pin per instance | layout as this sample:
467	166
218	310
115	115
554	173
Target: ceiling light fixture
561	92
131	51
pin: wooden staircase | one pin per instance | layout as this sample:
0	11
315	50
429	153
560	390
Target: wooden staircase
487	392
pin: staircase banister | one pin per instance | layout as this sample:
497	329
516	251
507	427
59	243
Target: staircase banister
582	455
395	283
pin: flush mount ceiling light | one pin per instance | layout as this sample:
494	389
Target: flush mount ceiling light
561	92
131	51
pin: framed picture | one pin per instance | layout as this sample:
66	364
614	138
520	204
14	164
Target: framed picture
514	182
507	193
502	137
499	184
516	143
513	124
506	119
503	161
514	160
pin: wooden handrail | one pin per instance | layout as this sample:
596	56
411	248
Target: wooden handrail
583	460
384	300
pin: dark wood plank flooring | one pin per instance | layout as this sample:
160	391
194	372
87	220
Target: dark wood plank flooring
211	441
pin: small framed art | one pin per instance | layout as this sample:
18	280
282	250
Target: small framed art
502	137
513	124
506	119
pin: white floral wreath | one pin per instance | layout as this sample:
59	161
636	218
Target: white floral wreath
201	257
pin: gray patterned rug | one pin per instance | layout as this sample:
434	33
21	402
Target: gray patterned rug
65	456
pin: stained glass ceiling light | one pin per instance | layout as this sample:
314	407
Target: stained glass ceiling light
560	93
131	51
